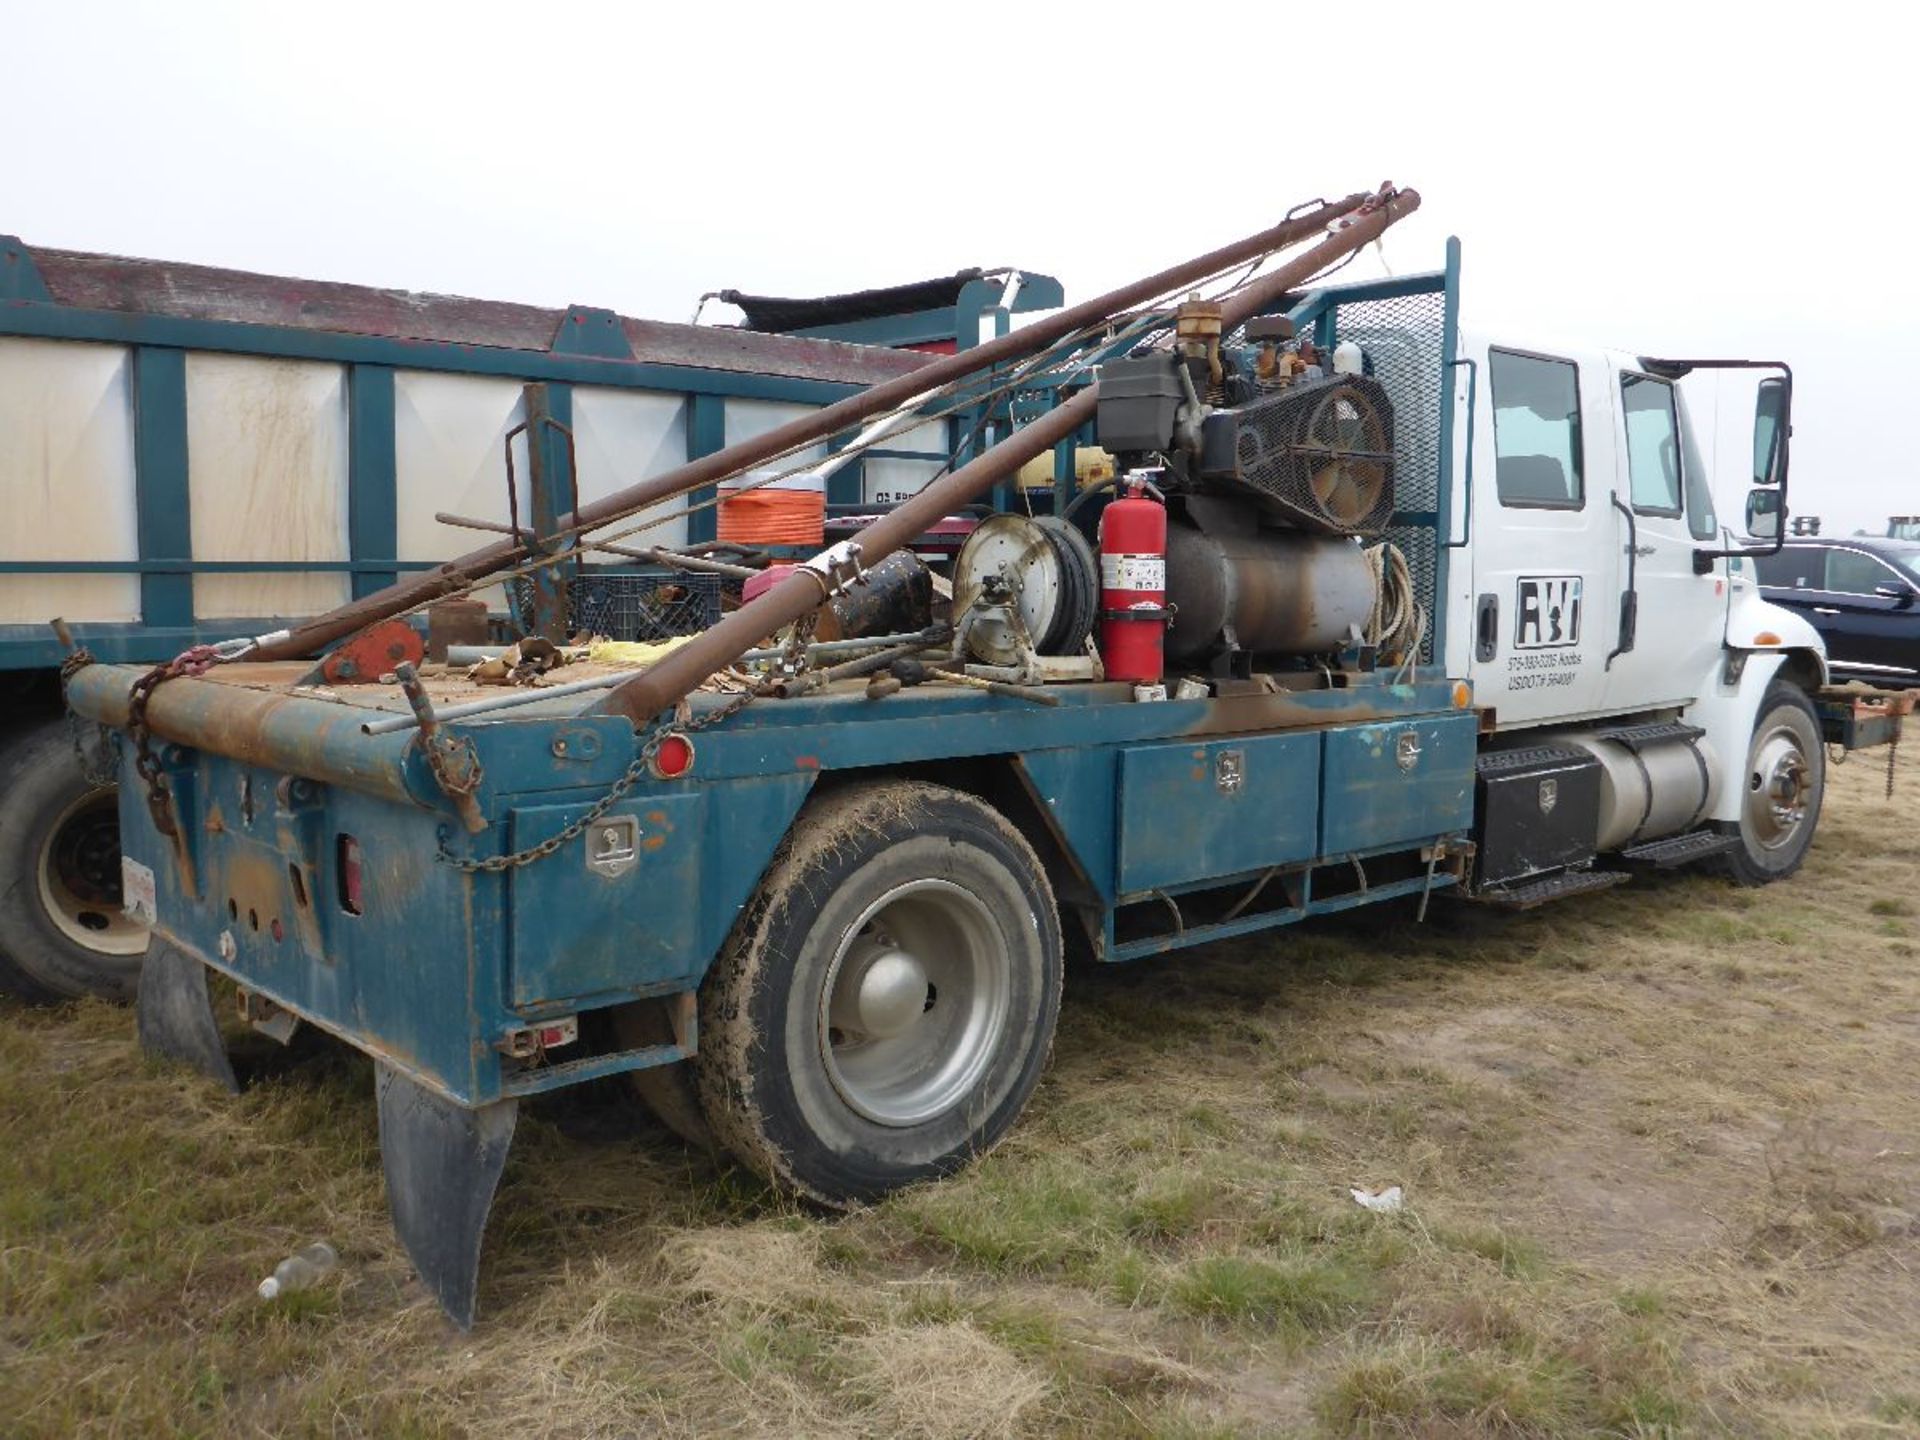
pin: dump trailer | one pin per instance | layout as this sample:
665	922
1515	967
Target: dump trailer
1379	608
195	453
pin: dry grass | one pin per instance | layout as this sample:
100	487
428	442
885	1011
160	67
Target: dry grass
1661	1149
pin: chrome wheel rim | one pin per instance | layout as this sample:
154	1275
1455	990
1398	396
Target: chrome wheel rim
915	1003
79	874
1781	788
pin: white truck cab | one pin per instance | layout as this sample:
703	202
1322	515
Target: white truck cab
1599	603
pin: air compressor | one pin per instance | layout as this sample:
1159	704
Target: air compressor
1251	544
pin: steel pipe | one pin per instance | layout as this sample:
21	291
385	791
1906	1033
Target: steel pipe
653	555
821	425
1363	227
506	700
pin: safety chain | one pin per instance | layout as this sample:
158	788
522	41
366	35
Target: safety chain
641	766
99	767
195	660
456	769
99	762
74	664
1893	752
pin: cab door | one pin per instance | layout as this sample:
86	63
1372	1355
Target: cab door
1669	633
1868	615
1543	563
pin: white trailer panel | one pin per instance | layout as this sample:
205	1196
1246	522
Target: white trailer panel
448	455
66	468
622	436
888	482
750	419
267	461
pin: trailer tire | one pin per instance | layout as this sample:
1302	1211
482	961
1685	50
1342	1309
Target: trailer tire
62	935
887	1001
1783	784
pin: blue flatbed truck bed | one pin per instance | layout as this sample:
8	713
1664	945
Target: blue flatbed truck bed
1131	794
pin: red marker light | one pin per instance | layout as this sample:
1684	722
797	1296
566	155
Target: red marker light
347	853
673	759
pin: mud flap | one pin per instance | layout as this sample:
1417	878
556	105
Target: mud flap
442	1162
174	1014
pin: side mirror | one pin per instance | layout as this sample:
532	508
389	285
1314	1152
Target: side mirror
1763	514
1902	595
1769	407
1772	429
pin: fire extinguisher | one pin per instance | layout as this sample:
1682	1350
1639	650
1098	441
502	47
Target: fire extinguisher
1133	583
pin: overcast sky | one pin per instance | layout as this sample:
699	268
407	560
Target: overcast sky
1671	178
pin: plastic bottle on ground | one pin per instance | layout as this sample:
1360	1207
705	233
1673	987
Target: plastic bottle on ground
299	1270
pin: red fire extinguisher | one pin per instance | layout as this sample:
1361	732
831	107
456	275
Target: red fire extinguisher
1133	584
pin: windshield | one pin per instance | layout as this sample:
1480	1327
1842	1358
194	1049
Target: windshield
1907	559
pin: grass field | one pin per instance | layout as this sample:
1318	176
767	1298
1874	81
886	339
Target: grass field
1660	1147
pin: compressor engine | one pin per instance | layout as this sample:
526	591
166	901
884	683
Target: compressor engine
1274	459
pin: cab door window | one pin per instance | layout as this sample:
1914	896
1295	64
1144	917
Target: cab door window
1853	572
1653	444
1797	567
1663	463
1536	431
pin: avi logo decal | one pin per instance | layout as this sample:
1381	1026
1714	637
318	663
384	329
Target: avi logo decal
1547	612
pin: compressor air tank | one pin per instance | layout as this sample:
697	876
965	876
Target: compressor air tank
1263	592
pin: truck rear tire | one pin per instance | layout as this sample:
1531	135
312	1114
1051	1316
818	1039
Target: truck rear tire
1782	785
62	934
886	1004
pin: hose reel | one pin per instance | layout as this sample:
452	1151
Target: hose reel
1025	583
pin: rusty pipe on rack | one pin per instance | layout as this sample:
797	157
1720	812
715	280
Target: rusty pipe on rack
1361	227
822	424
653	555
677	675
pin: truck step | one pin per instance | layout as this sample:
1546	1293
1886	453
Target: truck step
1680	849
1552	887
1659	732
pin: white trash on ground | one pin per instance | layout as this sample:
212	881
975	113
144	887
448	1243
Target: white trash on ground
1384	1199
299	1270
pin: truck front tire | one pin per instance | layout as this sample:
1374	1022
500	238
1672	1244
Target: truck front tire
1782	786
887	1002
62	934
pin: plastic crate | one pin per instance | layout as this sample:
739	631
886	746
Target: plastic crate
631	606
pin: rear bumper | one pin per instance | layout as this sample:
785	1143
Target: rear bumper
267	728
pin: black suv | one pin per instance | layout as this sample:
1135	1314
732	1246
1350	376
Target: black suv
1863	596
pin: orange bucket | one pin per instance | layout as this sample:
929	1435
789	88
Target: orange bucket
770	516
